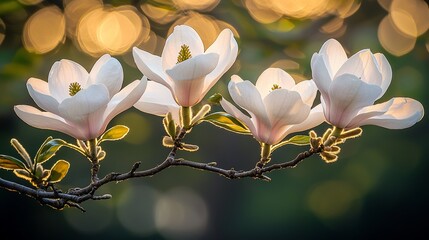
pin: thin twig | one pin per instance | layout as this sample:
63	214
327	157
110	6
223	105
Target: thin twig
73	197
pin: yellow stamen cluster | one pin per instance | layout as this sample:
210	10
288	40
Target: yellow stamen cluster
184	53
275	86
74	88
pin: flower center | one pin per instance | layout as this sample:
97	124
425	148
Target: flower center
74	88
275	86
184	53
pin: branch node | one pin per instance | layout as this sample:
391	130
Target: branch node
231	173
135	167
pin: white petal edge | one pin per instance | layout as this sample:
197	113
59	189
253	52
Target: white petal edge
46	120
123	100
157	100
334	56
308	91
369	112
363	65
234	111
226	46
151	66
386	72
245	94
321	77
403	113
39	92
107	71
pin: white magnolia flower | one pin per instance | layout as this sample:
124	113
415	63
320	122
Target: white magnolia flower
184	67
276	105
349	88
77	103
157	100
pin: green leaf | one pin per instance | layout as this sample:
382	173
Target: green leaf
226	121
21	150
59	171
10	163
24	174
48	149
115	133
300	140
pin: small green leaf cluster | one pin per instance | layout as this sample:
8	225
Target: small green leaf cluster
33	170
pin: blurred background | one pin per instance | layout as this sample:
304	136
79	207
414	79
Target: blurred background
376	189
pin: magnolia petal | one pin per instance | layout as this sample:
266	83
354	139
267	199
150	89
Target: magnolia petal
245	94
107	71
325	106
193	68
85	102
46	120
188	77
182	35
368	112
348	94
62	74
271	77
386	72
227	48
123	100
321	76
308	91
285	107
363	65
333	55
151	66
314	119
403	113
39	91
231	109
157	100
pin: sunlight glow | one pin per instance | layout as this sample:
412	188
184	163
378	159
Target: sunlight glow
269	11
396	43
37	37
201	5
407	20
112	30
207	27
